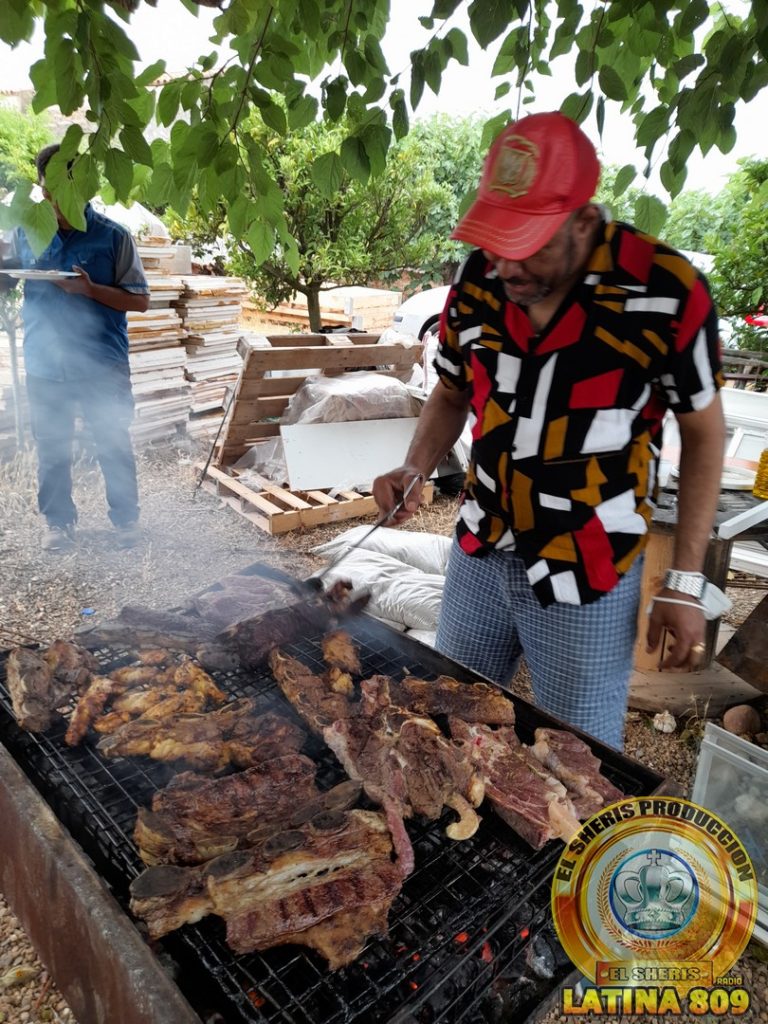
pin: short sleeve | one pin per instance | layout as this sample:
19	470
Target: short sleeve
129	273
693	373
449	360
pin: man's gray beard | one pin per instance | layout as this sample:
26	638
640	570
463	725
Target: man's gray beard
537	297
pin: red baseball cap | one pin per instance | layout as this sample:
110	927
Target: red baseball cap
537	172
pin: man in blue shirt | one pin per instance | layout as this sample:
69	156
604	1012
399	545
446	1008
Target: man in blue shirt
76	358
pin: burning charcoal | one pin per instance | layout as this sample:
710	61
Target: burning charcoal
540	957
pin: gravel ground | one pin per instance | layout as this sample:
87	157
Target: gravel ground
191	541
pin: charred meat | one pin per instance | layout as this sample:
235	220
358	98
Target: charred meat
254	638
327	885
474	702
196	818
42	681
522	792
311	695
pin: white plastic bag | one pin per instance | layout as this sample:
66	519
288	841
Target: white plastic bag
350	396
398	592
426	551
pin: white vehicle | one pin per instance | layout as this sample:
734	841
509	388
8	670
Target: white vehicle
421	313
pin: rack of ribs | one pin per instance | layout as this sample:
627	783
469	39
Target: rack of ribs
572	762
233	735
522	792
195	818
327	885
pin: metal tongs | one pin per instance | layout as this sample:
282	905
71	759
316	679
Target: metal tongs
317	581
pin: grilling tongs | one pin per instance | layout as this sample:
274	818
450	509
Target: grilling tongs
317	581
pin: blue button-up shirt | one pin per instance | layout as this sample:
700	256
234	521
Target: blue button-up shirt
70	336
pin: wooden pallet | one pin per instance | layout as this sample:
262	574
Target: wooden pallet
257	404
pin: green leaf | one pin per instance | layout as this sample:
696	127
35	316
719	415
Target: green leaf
672	180
274	116
611	83
354	158
119	170
261	240
577	106
650	214
399	114
168	103
151	73
417	78
502	90
694	13
302	112
458	43
623	180
336	98
374	56
115	37
433	72
327	173
44	84
488	19
161	185
600	116
71	202
652	127
39	223
135	145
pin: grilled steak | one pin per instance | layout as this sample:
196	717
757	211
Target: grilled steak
254	638
196	818
572	762
310	694
521	790
41	681
474	702
232	735
327	885
404	762
239	597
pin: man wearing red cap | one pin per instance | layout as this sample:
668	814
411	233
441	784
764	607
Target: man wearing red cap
565	339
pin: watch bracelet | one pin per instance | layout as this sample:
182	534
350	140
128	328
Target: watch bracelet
691	583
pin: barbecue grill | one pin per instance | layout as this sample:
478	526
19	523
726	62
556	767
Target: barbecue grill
470	937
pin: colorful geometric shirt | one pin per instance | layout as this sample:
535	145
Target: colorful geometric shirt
566	423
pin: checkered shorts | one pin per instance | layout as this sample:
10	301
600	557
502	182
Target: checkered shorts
580	656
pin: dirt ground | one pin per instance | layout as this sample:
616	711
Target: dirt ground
190	541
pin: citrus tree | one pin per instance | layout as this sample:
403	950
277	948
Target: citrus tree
676	68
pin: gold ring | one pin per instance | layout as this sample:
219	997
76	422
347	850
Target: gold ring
698	648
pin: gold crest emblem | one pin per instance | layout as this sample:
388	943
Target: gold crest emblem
515	166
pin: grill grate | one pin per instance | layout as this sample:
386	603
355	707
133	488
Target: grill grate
463	931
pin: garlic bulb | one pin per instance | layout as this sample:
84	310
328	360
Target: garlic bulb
664	722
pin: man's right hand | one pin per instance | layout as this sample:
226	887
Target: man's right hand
388	490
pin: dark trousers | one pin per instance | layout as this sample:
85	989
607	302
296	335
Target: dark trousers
106	404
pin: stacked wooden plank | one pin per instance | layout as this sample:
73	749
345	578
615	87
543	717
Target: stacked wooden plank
365	309
156	350
210	309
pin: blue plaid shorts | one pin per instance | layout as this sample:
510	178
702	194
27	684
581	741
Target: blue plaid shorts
580	656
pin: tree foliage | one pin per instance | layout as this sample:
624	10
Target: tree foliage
22	136
351	234
677	68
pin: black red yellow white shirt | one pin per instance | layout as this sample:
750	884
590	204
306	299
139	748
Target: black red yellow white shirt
566	424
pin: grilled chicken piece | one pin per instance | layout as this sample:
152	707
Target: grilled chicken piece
327	885
522	792
211	742
157	657
193	677
89	707
340	681
132	705
572	762
339	651
139	675
311	695
474	702
404	762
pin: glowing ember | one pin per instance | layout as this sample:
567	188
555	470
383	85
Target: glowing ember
486	953
461	938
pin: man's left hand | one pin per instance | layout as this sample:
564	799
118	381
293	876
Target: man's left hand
687	625
80	285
